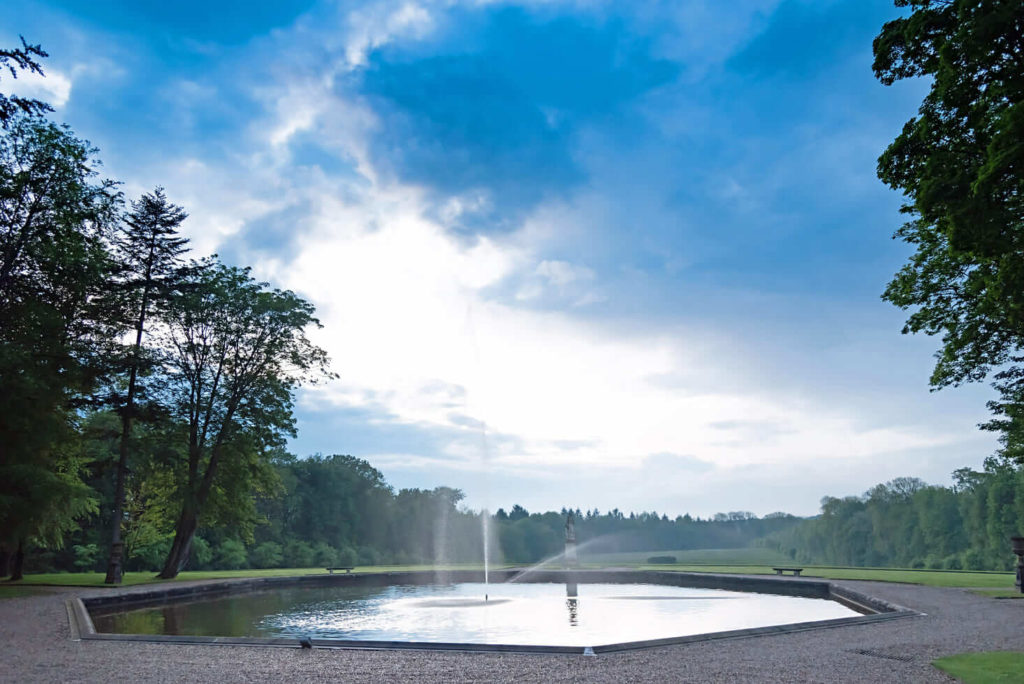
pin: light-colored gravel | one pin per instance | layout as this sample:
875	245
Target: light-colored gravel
35	646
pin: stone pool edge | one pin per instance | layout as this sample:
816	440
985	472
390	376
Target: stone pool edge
877	610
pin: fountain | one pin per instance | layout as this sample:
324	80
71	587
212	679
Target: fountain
619	609
487	554
571	560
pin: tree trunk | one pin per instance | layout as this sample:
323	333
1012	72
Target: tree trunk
115	564
19	562
183	535
5	561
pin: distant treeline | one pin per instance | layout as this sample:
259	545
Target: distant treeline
339	510
907	523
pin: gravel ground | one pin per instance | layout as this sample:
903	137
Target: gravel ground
35	646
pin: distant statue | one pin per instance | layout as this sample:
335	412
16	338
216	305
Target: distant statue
570	541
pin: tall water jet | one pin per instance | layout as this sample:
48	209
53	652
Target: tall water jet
484	452
487	554
571	560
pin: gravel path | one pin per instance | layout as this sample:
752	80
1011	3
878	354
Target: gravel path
35	646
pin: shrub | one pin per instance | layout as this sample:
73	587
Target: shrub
974	559
267	555
917	563
151	556
201	554
230	555
299	554
348	557
952	563
933	563
661	560
87	557
325	555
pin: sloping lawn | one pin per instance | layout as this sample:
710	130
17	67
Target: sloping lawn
1003	582
984	668
95	579
934	578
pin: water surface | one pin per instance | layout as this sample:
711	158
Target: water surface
517	613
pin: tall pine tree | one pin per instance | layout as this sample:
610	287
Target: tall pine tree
150	250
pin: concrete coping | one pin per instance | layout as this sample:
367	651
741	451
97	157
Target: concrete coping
872	609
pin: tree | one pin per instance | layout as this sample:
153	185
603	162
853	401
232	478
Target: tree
150	250
960	163
55	323
235	353
21	59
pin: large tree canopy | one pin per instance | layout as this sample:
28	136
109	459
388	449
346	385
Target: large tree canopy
236	351
960	163
55	320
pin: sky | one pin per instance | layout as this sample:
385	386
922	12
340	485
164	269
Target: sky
565	254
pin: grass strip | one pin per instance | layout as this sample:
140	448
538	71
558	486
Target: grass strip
988	667
17	591
999	593
979	580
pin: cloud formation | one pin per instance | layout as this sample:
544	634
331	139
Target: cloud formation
614	254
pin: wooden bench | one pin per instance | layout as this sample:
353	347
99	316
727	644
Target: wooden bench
346	568
781	571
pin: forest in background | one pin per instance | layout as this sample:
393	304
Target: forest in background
339	510
907	523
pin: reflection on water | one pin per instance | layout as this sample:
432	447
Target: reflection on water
515	614
574	615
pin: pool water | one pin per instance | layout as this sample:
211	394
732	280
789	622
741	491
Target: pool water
513	613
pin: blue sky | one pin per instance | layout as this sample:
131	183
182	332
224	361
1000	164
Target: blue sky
593	254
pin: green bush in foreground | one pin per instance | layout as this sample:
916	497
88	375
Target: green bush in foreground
984	668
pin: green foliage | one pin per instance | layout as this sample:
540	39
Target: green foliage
230	555
55	324
235	351
367	555
326	555
202	554
905	523
149	555
960	162
348	558
267	555
298	554
87	556
148	256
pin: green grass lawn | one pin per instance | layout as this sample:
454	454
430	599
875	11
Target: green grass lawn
999	593
996	580
14	591
750	561
95	579
984	668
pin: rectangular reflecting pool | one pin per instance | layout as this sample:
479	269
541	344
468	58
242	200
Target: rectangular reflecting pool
546	614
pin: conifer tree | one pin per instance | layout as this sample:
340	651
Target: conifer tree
150	250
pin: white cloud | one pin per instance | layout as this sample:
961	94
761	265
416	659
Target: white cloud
405	307
418	335
54	88
374	25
